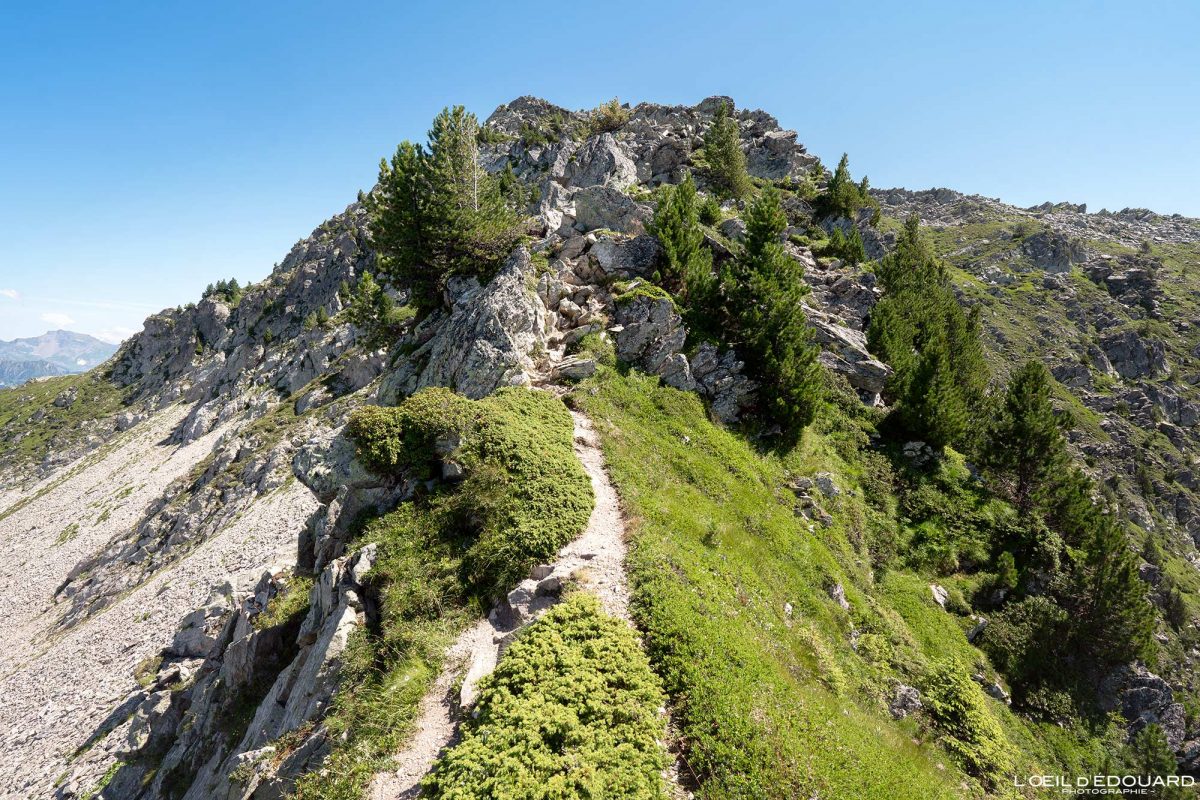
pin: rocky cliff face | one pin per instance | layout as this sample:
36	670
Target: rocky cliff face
224	481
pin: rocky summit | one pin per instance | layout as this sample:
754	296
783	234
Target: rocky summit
715	480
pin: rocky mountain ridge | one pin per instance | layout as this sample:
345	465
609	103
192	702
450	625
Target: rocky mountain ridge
242	403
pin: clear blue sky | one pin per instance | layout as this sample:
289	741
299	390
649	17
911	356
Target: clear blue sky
147	149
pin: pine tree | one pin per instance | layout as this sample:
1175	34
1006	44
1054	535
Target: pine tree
676	224
511	188
764	287
437	212
940	375
843	197
1027	452
369	304
1113	623
724	156
471	228
848	247
1150	753
1006	571
399	221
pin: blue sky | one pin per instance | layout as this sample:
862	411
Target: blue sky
147	149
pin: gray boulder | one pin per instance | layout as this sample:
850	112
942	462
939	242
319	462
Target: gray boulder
732	228
626	258
1143	698
1133	356
599	207
648	333
844	351
1051	251
490	337
719	376
601	162
905	700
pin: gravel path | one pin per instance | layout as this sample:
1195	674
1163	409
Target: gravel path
56	689
596	559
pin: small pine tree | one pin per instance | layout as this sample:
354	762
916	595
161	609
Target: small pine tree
437	212
689	270
843	197
1006	571
1149	753
1027	451
511	188
856	249
848	247
764	287
1175	609
370	309
724	156
710	210
940	374
1113	623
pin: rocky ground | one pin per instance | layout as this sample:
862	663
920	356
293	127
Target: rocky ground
61	688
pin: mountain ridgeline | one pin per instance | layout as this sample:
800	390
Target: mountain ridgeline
52	353
623	453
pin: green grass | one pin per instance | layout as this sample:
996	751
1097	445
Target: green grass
31	426
571	712
291	602
765	701
516	447
442	558
68	533
772	704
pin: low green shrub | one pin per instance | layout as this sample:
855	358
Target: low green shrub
710	210
524	495
443	557
597	347
968	730
607	118
571	712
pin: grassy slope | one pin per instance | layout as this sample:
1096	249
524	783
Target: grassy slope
25	439
780	705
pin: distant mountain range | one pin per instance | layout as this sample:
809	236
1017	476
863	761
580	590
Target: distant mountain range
52	353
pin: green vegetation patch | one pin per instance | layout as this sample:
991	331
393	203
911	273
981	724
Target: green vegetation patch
571	712
729	589
290	604
31	425
525	494
441	559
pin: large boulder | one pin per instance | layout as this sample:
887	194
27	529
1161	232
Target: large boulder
719	376
649	333
1133	356
626	258
490	337
601	162
844	351
604	207
1051	251
1143	698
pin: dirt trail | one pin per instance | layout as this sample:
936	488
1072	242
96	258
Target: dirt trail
596	559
